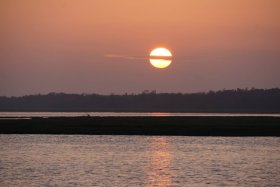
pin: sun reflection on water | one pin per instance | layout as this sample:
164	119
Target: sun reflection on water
161	114
159	173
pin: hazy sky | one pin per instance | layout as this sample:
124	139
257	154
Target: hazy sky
67	45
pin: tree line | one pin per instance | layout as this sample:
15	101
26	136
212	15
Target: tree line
232	101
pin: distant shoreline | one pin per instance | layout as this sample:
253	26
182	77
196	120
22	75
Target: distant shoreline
160	125
224	101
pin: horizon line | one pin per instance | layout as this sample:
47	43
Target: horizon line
144	92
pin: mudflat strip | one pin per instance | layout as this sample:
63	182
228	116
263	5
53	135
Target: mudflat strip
173	126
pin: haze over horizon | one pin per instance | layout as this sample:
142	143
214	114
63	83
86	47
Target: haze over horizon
68	46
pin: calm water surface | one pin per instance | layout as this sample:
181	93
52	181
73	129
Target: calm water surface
105	114
50	160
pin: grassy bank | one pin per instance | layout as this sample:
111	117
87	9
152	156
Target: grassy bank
185	126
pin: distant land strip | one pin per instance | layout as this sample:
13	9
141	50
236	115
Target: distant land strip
165	126
225	101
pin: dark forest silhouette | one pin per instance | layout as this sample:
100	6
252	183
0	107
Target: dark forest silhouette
239	100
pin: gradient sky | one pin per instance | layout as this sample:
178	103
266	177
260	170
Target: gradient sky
68	45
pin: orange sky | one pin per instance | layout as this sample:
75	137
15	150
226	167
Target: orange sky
61	45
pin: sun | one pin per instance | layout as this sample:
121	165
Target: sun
160	57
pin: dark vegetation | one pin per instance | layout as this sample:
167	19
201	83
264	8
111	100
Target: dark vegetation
240	101
184	126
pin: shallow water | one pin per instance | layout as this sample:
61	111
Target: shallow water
50	160
125	114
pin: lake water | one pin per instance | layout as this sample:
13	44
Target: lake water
105	114
70	160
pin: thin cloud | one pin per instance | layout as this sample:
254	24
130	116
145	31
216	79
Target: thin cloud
127	57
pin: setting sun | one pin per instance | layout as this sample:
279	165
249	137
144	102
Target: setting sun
160	57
